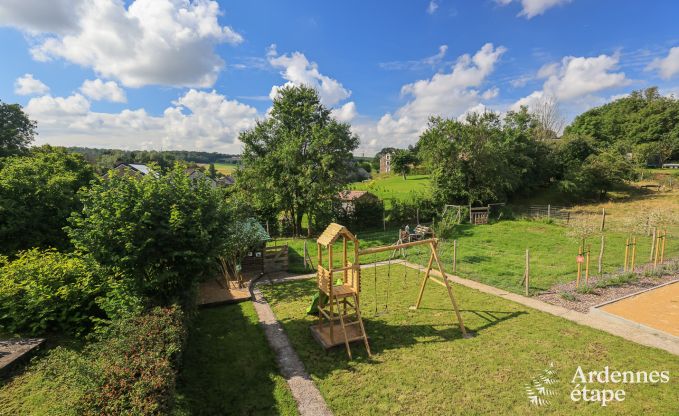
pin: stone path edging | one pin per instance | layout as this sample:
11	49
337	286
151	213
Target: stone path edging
310	402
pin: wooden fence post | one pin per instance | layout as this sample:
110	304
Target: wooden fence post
527	272
417	215
603	218
549	211
577	282
454	256
657	250
306	254
624	268
655	230
589	249
601	255
662	250
634	253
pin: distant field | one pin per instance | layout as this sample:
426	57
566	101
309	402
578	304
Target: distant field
395	187
224	168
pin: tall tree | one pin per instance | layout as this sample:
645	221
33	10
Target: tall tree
16	130
401	160
297	158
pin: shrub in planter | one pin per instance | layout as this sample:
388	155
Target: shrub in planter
45	290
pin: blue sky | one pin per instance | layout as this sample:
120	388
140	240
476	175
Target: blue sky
180	74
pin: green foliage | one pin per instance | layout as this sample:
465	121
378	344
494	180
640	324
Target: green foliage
407	212
645	121
367	166
364	213
38	192
569	296
163	231
297	159
483	160
130	369
44	290
585	290
619	280
16	130
401	161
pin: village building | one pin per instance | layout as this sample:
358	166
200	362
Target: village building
385	163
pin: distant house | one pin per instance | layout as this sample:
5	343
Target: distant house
225	181
385	163
132	169
197	175
348	199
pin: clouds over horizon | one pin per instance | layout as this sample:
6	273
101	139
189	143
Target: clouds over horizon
151	42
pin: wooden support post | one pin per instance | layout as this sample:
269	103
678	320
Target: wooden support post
657	250
454	256
662	250
601	255
655	230
603	218
424	281
589	249
634	253
450	290
306	254
526	277
549	211
577	282
624	268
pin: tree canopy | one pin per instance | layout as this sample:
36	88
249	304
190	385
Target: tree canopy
16	130
296	160
644	123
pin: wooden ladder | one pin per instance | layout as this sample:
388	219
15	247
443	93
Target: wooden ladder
348	315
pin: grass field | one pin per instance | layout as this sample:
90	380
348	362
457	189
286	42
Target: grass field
223	168
229	368
388	187
422	366
495	253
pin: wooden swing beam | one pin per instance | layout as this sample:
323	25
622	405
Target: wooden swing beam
433	243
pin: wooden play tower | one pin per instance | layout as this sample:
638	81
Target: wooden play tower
339	312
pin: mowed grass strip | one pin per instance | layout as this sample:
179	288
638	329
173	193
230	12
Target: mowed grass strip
422	366
388	187
228	367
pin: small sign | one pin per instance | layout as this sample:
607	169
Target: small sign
580	259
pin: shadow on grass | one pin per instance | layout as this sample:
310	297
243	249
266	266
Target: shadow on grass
228	367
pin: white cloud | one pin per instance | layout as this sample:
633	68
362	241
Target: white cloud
445	94
428	62
477	109
579	76
197	121
36	16
532	8
432	7
99	90
346	113
668	66
162	42
27	85
297	70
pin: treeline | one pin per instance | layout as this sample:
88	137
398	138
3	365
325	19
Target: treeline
104	159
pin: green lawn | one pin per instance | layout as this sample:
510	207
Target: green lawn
422	366
495	253
395	187
228	367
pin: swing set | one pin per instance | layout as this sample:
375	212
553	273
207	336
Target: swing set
339	312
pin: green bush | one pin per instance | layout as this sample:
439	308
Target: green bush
407	212
38	192
364	214
162	230
45	290
128	370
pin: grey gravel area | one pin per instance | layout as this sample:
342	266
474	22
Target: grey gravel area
583	301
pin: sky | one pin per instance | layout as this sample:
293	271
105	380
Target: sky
192	74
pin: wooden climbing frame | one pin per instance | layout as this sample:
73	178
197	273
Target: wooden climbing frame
339	315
